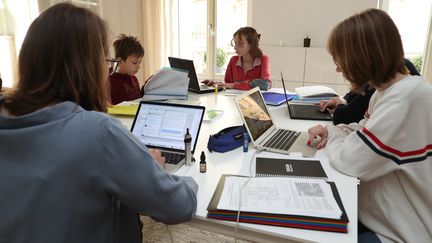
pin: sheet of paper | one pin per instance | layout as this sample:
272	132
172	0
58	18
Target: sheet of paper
278	195
233	92
315	91
167	82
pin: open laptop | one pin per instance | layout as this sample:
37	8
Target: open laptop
194	85
163	126
262	130
307	111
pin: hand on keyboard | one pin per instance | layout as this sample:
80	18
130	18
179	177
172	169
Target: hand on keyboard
156	154
208	82
213	83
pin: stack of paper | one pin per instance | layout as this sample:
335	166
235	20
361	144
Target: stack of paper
167	84
315	92
287	202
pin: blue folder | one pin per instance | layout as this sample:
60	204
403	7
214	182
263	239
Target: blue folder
272	98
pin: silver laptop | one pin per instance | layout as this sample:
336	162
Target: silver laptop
305	110
163	126
194	85
262	130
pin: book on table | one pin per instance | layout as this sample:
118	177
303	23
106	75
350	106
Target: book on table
315	91
277	167
125	108
279	201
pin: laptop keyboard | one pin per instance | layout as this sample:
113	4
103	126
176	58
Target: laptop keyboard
172	158
306	111
282	139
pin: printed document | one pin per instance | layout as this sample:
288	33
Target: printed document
167	84
279	195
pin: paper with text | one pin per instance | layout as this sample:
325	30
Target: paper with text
167	84
275	195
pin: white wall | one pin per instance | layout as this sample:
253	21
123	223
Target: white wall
123	17
289	21
284	24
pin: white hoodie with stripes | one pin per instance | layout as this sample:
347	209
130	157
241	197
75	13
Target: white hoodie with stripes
391	152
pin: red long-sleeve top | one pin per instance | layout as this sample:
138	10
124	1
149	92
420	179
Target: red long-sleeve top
124	87
237	75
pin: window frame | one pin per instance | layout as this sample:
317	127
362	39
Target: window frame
211	36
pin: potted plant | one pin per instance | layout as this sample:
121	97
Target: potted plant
221	57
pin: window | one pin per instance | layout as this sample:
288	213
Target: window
15	18
412	19
202	31
231	15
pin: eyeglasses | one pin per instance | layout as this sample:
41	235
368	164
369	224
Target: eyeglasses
238	45
112	64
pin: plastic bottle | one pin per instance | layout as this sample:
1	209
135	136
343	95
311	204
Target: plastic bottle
245	142
188	153
203	164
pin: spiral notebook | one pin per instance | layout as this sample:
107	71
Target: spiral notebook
273	167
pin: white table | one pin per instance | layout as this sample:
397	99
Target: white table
238	162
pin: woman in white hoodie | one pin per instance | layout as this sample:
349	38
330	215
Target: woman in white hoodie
390	150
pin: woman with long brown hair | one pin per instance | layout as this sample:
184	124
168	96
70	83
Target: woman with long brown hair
66	167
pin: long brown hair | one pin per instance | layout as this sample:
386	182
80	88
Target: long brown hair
252	37
368	48
61	59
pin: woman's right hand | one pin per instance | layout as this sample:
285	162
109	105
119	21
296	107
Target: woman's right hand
156	154
330	104
208	82
318	132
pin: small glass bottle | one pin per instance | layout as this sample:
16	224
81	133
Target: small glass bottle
203	164
188	153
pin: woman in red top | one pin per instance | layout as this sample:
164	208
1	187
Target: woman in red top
250	68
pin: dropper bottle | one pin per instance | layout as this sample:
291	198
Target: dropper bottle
203	164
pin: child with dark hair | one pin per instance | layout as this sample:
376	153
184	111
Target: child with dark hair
123	83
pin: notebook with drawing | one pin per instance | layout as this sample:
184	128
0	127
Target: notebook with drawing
163	126
265	135
307	111
194	85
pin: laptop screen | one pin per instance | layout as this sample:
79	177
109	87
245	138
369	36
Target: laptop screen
255	113
188	65
163	125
